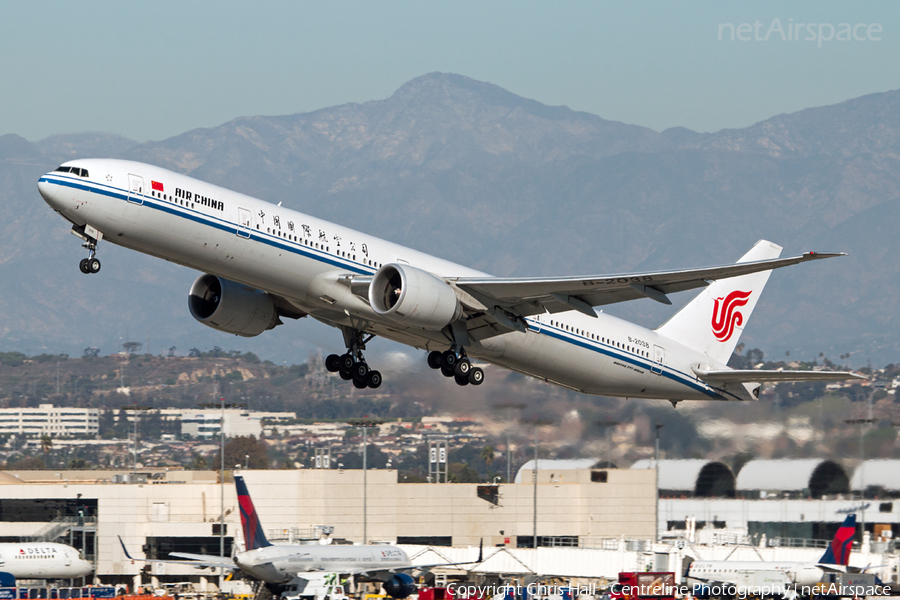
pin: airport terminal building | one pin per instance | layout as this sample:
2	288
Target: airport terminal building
591	522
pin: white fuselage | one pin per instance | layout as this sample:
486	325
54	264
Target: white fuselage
43	560
282	563
301	258
736	572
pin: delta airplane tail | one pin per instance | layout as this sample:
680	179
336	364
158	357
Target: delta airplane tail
253	534
838	552
713	321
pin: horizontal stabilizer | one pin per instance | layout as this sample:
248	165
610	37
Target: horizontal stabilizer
760	376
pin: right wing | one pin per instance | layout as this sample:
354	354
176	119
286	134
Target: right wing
761	376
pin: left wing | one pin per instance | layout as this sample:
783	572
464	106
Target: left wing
528	296
200	561
760	376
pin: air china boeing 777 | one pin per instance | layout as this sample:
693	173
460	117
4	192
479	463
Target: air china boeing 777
263	262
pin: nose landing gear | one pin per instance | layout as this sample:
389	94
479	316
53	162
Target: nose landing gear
91	237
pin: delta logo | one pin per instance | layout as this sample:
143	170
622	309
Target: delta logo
725	315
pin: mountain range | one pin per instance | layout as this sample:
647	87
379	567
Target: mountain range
468	171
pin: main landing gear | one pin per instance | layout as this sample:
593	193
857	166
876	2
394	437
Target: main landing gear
455	364
352	365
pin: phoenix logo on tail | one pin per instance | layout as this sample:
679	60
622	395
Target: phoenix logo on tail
725	318
253	533
838	552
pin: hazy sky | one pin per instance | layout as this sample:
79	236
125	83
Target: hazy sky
151	70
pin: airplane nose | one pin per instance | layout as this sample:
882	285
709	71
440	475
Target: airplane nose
47	189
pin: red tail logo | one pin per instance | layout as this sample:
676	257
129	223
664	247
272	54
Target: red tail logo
725	318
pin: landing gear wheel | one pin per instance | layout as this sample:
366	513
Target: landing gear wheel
447	372
358	383
359	371
333	363
93	265
346	362
476	376
463	367
434	359
449	359
373	379
461	379
345	375
83	265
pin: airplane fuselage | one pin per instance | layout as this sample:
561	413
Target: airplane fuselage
43	560
282	563
306	260
797	573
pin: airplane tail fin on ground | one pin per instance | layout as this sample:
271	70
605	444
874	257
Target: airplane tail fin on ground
838	552
713	321
253	533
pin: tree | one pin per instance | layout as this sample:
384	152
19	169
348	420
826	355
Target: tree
240	447
46	443
131	347
27	463
487	455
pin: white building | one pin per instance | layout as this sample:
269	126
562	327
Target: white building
49	420
206	423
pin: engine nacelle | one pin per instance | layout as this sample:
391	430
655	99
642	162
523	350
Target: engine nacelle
231	307
413	297
400	585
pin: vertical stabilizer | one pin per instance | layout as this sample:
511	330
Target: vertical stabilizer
713	321
838	552
253	534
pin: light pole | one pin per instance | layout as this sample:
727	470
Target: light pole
608	425
509	406
862	469
364	424
223	406
534	477
137	410
656	475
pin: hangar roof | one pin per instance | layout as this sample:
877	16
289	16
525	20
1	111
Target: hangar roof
881	473
817	475
695	476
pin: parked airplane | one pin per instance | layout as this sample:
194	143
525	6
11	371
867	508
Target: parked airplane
40	560
741	573
282	564
263	262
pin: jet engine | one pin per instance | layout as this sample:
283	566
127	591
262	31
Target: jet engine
400	585
231	307
412	297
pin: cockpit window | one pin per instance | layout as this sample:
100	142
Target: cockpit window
73	170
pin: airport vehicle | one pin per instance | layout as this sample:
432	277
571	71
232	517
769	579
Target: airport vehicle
281	565
263	263
785	573
315	586
637	585
40	560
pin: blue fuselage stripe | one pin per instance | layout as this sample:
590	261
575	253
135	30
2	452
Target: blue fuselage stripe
557	333
222	225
